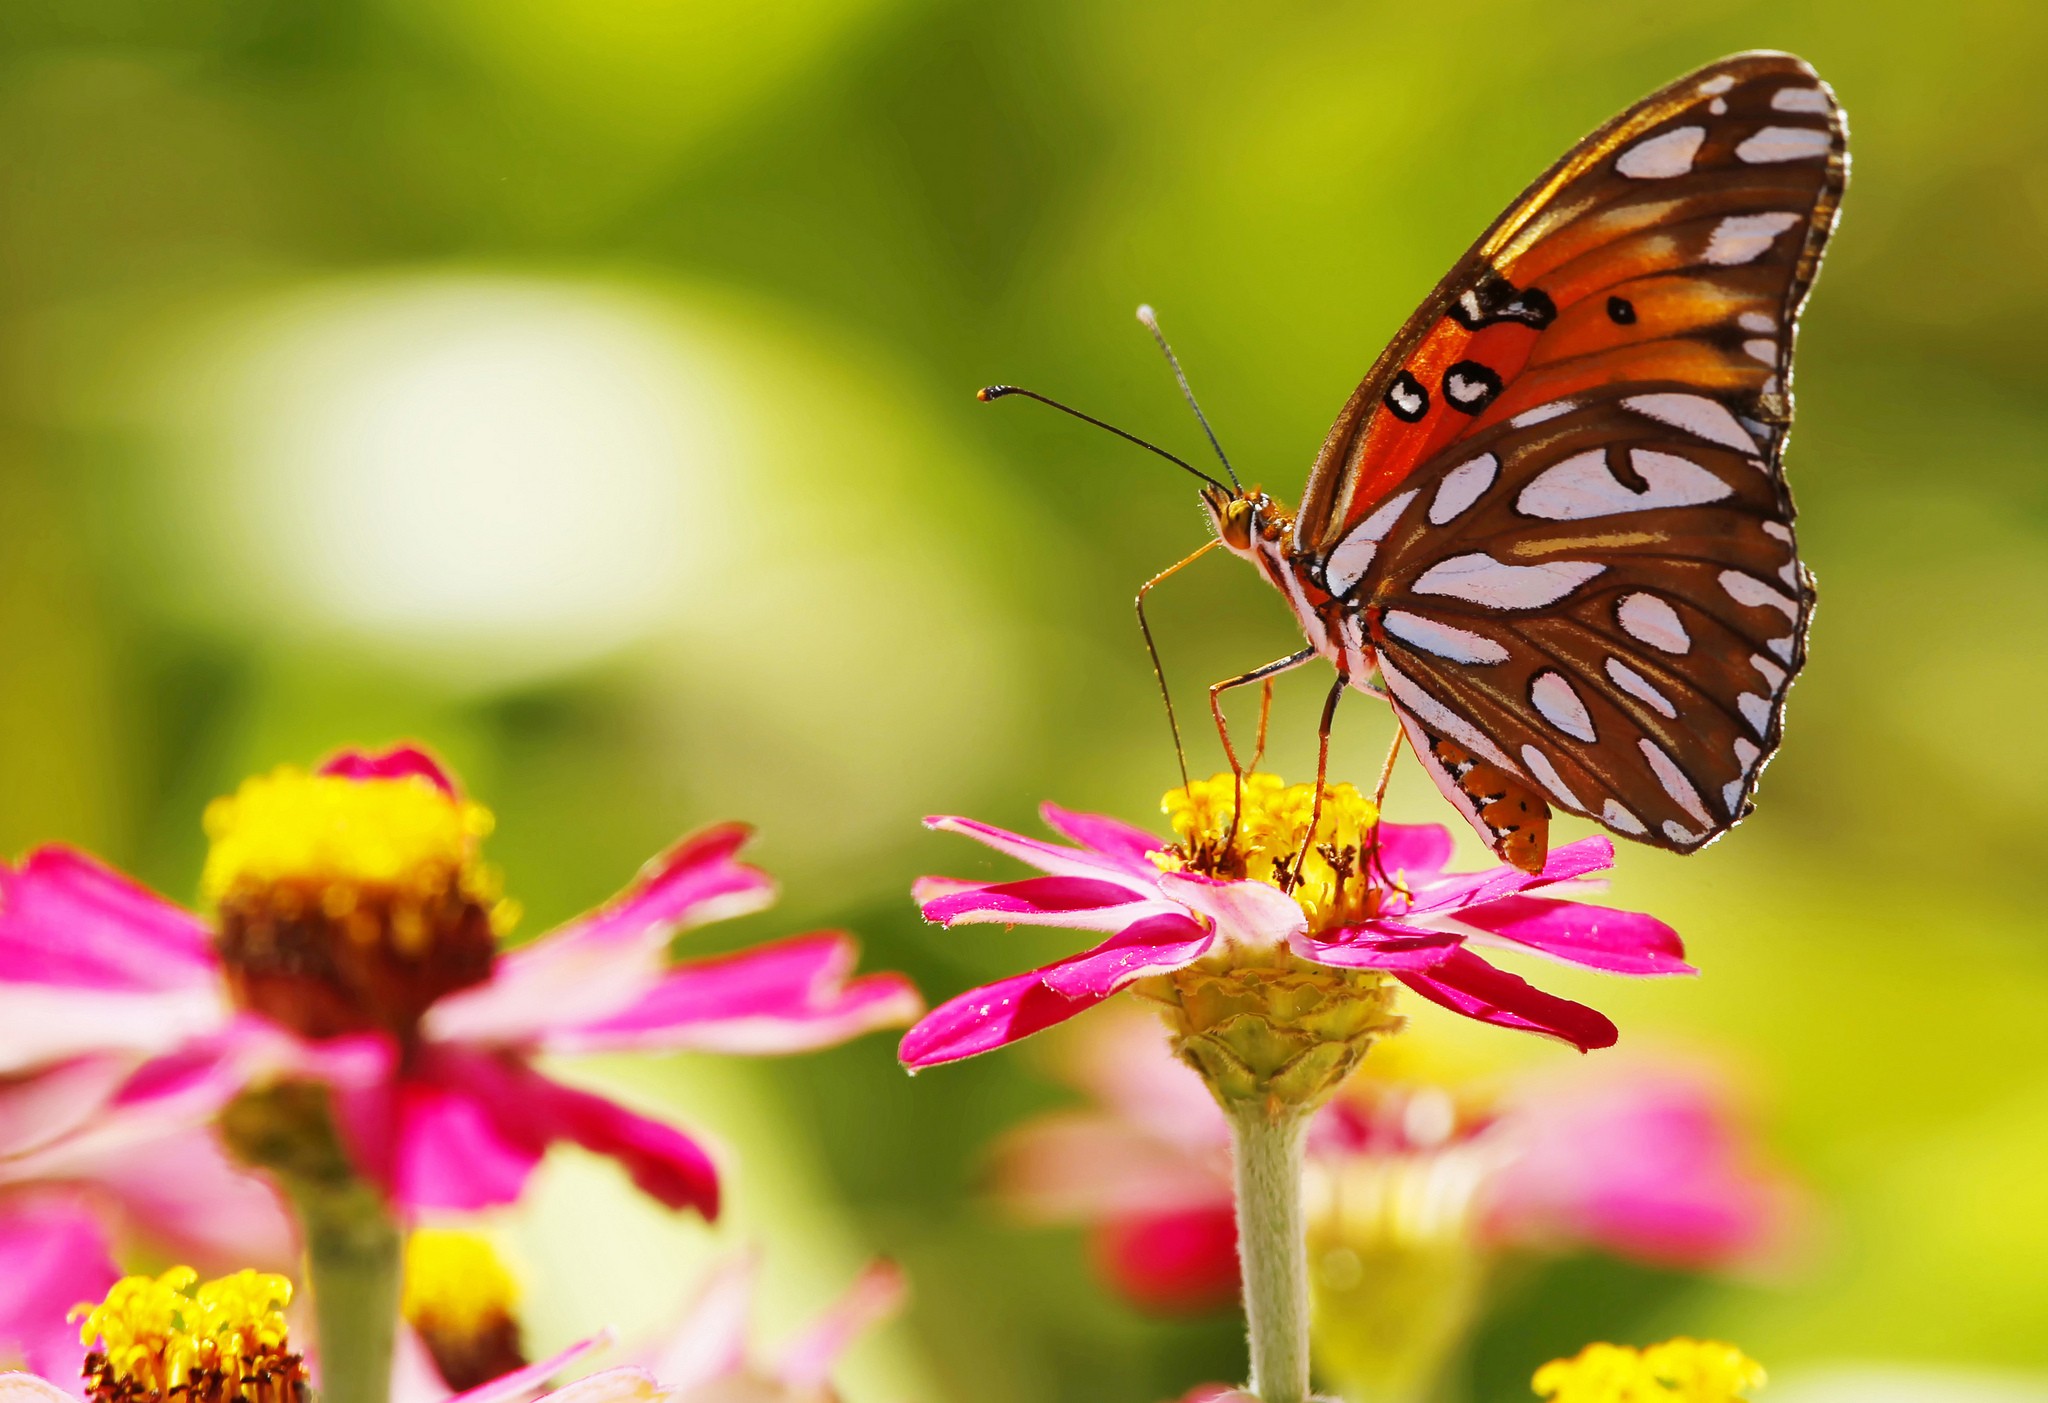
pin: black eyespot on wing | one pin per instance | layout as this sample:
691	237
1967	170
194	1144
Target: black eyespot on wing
1406	399
1495	299
1621	311
1469	386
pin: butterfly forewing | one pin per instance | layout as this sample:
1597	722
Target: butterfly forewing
1590	578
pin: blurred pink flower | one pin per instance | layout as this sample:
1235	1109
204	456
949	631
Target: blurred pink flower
1647	1162
708	1357
426	1033
79	1186
1421	928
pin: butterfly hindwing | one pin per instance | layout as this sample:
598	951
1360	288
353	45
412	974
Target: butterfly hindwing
1604	603
1590	580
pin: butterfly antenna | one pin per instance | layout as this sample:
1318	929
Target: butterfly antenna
1151	321
992	393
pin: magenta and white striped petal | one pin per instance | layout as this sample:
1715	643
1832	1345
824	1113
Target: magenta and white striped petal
1244	912
1596	937
399	762
792	995
1130	846
992	1016
1468	889
1417	853
1464	983
1050	858
470	1126
1385	945
601	963
1151	946
67	920
808	1360
524	1383
1080	903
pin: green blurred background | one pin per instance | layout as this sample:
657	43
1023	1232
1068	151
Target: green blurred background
585	389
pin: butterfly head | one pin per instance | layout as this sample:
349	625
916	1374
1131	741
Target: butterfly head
1243	519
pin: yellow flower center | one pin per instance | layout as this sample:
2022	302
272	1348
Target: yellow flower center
402	834
350	904
460	1297
1677	1371
155	1337
1259	832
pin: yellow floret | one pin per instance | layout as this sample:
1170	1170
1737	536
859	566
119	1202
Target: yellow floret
386	834
455	1282
1678	1371
1262	837
159	1334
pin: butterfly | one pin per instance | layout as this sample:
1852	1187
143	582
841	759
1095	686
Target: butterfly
1551	526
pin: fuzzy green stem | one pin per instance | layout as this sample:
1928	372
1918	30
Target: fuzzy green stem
354	1245
353	1251
1272	1246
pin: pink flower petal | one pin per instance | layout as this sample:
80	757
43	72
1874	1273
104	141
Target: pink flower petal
876	1294
41	1024
415	1378
399	762
1244	912
1082	903
1466	984
1131	847
1597	937
1415	852
39	1108
1122	1059
192	1202
66	919
472	1125
1046	857
625	1384
1379	945
1176	1263
17	1387
53	1255
1654	1165
990	1017
1468	889
1151	946
710	1341
1077	1166
789	996
523	1383
600	964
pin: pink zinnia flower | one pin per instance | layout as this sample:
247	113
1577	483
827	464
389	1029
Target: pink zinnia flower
459	1310
79	1187
352	937
1373	900
1645	1161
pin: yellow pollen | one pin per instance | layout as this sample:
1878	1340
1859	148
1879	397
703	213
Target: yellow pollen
1262	837
339	837
1677	1371
220	1340
455	1284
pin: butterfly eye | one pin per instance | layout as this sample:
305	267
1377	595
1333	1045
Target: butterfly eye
1236	522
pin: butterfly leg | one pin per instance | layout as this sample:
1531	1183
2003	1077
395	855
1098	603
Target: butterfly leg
1315	808
1258	674
1152	648
1379	801
1265	715
1216	690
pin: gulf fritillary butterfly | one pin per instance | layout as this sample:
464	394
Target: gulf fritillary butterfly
1551	526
